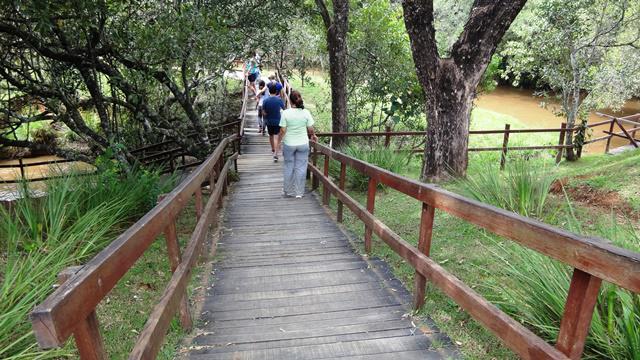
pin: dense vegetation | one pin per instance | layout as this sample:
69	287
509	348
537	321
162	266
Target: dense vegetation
39	237
92	80
527	285
122	74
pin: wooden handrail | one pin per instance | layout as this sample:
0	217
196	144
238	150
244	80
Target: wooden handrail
593	259
56	318
38	163
243	108
150	339
167	142
70	309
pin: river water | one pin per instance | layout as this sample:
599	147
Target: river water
523	105
10	191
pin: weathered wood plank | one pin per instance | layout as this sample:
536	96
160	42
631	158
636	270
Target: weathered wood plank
288	284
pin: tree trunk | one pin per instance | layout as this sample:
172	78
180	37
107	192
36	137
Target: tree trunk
449	84
448	113
337	28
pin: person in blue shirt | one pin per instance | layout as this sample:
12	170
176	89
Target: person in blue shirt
271	108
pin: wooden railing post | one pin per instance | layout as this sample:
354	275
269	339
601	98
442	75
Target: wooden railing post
219	166
87	333
387	137
236	147
21	163
198	200
343	175
505	143
371	199
326	195
578	311
606	148
563	128
424	245
173	251
315	182
632	141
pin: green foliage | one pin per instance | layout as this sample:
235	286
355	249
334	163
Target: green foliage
39	237
522	188
489	80
539	299
44	135
384	88
385	158
585	51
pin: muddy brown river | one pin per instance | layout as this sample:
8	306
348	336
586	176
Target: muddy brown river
521	104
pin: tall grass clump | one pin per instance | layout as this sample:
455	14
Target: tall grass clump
385	158
523	187
540	289
39	237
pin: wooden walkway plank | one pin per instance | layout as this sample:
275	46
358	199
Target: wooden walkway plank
288	285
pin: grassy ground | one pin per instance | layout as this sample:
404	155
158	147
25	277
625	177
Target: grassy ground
608	174
124	312
479	268
450	248
467	251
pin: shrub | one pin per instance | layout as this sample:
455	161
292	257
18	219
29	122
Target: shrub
41	237
522	187
45	135
385	158
542	286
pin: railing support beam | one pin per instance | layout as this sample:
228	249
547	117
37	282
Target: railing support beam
371	200
87	333
173	251
505	144
343	175
563	126
424	245
578	311
326	195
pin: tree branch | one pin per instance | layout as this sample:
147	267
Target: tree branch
324	13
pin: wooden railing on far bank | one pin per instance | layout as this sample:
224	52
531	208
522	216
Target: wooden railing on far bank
592	259
612	122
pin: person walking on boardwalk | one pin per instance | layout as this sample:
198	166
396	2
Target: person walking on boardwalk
271	108
252	72
263	93
296	127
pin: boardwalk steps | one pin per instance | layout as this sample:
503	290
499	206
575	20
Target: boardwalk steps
288	285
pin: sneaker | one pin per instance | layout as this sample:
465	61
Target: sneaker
298	196
275	158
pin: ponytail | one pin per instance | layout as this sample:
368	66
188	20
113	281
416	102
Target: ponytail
296	99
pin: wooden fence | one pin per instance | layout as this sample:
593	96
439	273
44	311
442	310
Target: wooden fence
70	309
628	134
592	259
21	166
163	153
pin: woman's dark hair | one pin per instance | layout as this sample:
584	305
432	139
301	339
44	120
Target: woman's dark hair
261	84
296	99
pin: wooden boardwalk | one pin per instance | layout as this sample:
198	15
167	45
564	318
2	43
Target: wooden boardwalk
288	285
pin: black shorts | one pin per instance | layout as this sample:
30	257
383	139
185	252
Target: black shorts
273	129
252	77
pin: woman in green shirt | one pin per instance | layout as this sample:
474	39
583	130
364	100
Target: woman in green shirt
296	126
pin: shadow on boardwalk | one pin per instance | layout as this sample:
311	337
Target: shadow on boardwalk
288	285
